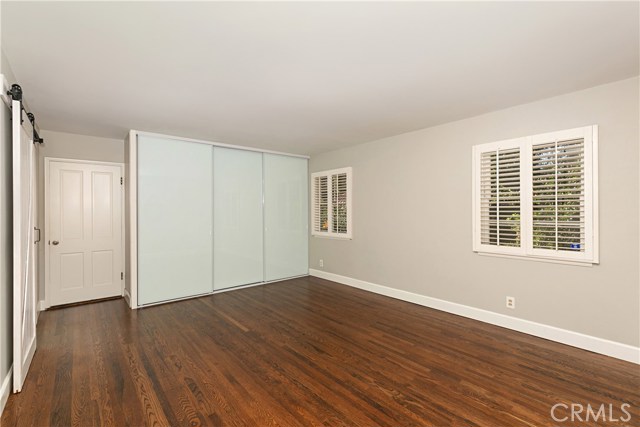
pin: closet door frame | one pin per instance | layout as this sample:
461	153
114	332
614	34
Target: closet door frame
131	210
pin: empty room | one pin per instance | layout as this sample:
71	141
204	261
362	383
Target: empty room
368	213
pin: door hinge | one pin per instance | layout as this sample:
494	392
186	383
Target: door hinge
121	275
121	180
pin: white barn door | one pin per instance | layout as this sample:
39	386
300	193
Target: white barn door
24	245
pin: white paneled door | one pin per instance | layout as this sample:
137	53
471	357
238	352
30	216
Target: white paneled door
84	231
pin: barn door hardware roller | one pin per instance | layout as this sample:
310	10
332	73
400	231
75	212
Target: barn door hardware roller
15	92
16	95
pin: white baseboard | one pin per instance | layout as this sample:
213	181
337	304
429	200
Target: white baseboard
40	308
564	336
5	389
127	296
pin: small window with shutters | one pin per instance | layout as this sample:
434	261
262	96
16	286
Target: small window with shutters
331	203
537	196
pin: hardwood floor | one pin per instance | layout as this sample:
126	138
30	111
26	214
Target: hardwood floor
305	352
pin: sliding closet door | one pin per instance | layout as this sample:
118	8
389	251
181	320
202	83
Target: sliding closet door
175	219
286	216
237	229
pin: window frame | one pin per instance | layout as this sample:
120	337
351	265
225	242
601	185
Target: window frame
348	171
526	250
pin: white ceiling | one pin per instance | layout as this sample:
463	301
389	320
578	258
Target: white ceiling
305	77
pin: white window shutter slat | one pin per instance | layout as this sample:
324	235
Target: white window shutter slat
559	195
321	206
339	203
500	204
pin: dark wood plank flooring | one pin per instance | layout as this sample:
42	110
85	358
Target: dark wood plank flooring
304	352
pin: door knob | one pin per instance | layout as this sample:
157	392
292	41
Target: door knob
55	243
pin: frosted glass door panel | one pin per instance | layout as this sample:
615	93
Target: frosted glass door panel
175	219
237	226
286	216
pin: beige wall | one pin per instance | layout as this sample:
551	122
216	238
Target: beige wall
412	217
70	146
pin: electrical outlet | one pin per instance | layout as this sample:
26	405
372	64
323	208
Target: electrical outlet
511	302
321	263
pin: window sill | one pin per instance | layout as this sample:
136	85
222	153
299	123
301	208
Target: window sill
540	259
332	237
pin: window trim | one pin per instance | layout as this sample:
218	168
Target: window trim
330	234
526	250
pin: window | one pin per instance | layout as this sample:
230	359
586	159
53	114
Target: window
331	203
536	196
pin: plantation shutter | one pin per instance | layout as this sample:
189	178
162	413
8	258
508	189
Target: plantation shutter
321	204
339	194
537	196
500	204
558	180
